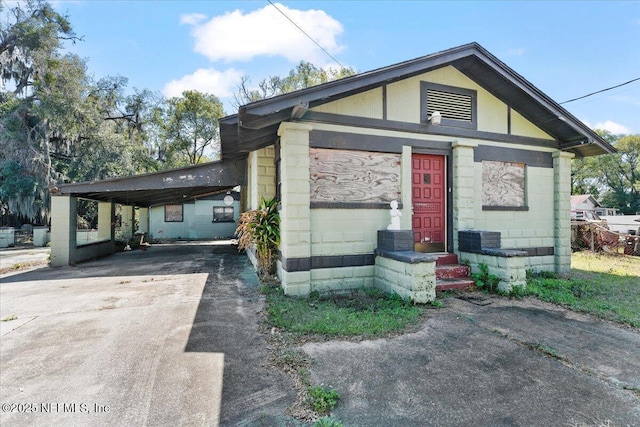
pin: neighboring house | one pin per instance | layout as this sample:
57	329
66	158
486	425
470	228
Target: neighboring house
582	203
459	139
602	211
209	217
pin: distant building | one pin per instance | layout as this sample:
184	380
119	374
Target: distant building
587	203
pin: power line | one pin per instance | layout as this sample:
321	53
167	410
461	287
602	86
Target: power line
305	33
599	91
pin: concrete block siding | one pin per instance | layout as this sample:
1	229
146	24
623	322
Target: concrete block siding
341	279
510	270
520	229
261	175
295	237
346	231
416	282
540	263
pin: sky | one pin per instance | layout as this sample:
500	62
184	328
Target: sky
566	49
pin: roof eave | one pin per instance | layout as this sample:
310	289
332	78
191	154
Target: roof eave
266	113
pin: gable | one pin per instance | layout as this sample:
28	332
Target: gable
256	124
402	101
365	104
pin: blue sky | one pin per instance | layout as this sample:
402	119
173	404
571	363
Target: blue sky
566	49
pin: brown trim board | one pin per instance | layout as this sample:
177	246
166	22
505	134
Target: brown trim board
291	265
326	261
363	142
539	159
366	122
338	205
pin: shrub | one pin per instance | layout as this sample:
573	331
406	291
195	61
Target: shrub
260	228
323	399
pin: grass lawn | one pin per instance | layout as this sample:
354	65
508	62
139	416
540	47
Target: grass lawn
366	312
607	286
604	285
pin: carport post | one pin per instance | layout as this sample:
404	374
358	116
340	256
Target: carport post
106	220
143	220
126	227
64	225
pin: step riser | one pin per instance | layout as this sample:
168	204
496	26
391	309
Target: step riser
460	285
447	259
452	271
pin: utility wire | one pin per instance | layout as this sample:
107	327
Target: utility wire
603	90
338	62
305	33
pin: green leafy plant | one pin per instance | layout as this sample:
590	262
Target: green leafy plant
484	280
328	422
260	229
518	292
323	399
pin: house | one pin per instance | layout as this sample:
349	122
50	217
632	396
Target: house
582	203
458	138
207	217
191	202
478	159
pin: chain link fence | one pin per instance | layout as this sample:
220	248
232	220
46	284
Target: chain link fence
597	237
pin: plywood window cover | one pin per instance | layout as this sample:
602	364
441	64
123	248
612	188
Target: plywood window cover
458	106
350	176
503	185
173	213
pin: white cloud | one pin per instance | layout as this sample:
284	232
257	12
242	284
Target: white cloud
239	36
208	80
192	18
611	126
516	51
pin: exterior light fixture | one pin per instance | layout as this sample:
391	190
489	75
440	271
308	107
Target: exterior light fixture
435	118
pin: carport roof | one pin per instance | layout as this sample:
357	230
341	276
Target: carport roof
165	187
256	124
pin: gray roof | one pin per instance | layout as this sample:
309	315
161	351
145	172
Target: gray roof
165	187
256	124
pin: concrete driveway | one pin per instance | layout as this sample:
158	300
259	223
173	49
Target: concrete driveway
168	336
488	361
171	337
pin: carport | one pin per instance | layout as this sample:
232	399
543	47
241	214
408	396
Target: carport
139	191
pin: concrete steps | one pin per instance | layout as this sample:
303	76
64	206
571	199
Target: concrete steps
451	276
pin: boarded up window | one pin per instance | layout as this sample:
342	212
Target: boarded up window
173	213
348	176
503	184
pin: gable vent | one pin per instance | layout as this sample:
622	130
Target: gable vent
453	106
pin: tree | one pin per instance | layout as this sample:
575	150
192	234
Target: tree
620	172
57	124
29	41
191	130
30	38
304	75
613	178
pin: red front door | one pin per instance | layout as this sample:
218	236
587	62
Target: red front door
428	202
